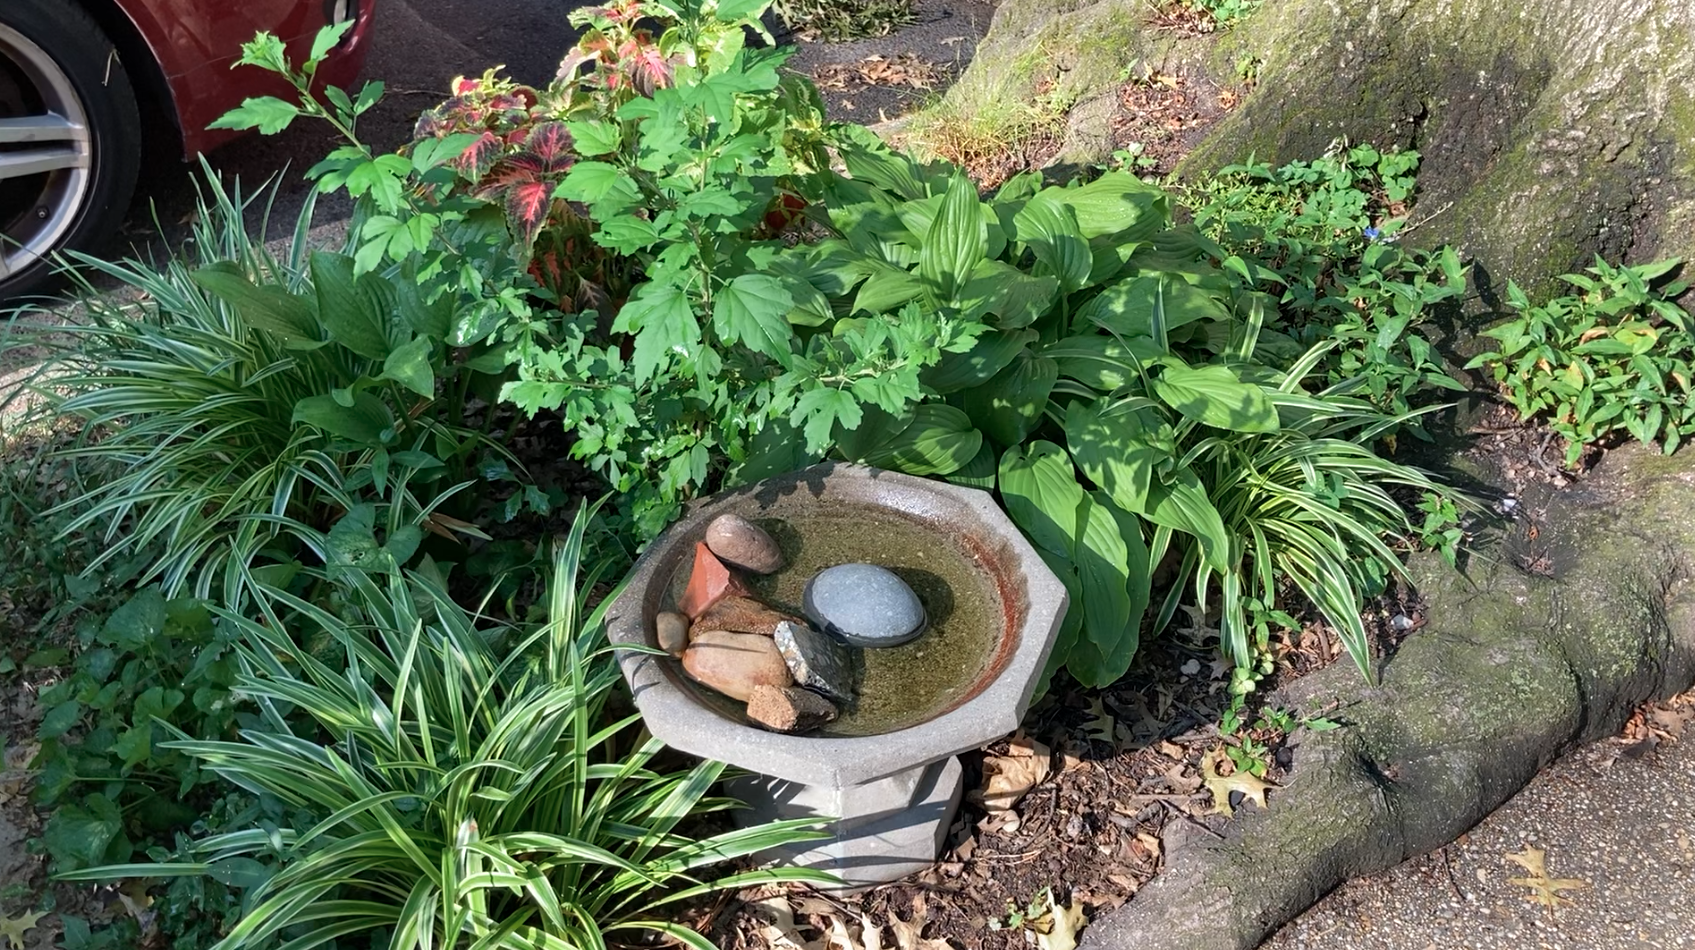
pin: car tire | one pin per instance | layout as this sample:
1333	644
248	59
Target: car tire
70	140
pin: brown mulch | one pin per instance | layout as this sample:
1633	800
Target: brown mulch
1162	116
1123	763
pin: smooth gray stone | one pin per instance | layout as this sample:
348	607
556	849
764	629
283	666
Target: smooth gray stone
816	661
865	605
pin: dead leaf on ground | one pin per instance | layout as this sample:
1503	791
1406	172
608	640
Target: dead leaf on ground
1008	777
1057	929
907	69
1099	727
909	934
781	932
1252	787
14	928
1544	890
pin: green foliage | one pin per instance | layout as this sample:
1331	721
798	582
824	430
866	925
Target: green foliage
1612	358
1138	406
1225	13
1319	235
478	785
153	664
240	389
838	20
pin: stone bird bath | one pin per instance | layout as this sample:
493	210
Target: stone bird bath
885	774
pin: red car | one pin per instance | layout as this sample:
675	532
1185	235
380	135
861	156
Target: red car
82	80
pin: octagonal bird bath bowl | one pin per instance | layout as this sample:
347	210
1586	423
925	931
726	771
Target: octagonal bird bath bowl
884	775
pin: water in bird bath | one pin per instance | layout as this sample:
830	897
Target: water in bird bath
898	686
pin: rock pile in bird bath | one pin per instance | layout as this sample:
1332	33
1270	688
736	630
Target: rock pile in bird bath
793	674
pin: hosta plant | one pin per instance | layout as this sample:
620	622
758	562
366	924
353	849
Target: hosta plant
1125	397
478	787
1615	357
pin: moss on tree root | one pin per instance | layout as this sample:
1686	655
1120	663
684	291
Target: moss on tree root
1551	131
1512	670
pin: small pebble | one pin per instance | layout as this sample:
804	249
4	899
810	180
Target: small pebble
1401	623
739	541
1190	668
735	663
789	709
865	605
671	632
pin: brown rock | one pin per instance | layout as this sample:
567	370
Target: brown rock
742	615
709	580
789	710
735	663
671	632
740	542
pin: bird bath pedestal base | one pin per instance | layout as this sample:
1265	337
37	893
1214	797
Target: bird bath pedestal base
888	829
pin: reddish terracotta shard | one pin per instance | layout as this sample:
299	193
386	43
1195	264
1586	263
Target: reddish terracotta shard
709	581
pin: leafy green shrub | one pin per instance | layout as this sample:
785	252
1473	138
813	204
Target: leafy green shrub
1135	353
1321	234
1613	358
240	390
478	786
640	196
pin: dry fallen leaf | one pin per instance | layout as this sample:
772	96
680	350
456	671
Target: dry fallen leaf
14	928
909	934
1099	726
1251	787
1057	929
1008	777
782	933
1544	890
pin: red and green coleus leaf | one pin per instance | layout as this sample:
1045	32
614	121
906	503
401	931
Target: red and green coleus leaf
524	181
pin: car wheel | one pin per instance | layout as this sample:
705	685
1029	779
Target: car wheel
70	139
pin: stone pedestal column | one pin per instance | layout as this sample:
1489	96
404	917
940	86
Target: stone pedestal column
880	831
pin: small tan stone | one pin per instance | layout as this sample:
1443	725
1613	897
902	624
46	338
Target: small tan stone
789	709
671	632
735	663
744	544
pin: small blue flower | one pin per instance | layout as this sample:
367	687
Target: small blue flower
1371	233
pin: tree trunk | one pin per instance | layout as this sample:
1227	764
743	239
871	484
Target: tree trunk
1551	131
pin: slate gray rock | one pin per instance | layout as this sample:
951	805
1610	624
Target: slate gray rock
735	663
864	605
790	709
816	661
744	544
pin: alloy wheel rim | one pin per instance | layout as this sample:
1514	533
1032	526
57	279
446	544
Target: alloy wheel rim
46	153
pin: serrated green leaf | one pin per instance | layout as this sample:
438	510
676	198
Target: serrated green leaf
595	137
268	114
753	309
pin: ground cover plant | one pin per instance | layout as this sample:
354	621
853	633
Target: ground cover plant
1613	358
